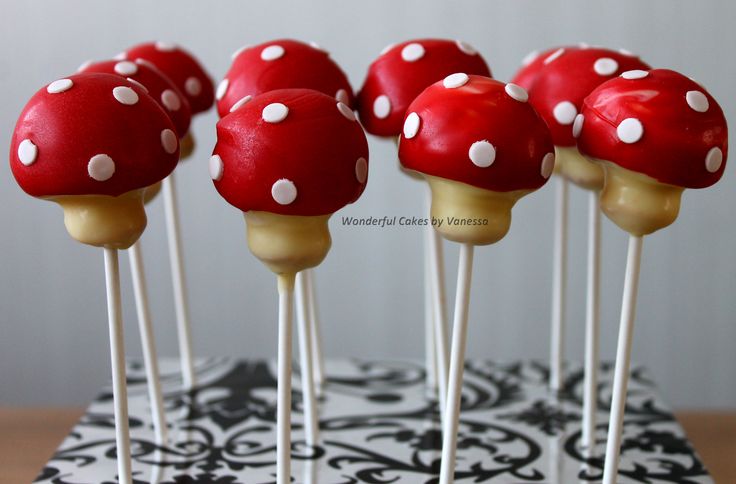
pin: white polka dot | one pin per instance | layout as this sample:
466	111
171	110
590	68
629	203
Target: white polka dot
239	51
411	125
635	74
283	191
626	52
382	107
342	96
272	52
456	80
275	113
412	52
630	130
361	170
577	125
517	92
387	48
605	66
193	86
482	153
126	68
583	45
169	141
548	165
216	167
315	45
171	100
529	58
147	63
554	55
565	112
697	101
101	167
241	102
60	85
136	83
125	95
465	47
84	65
120	56
222	88
165	46
714	160
27	152
346	111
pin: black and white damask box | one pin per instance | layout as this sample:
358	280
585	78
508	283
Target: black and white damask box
376	426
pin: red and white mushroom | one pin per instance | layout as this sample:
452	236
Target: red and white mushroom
280	64
403	71
656	132
481	137
93	142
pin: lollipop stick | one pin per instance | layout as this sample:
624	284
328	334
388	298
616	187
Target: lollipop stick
311	428
430	349
559	285
117	360
183	328
283	403
315	332
437	278
623	360
457	362
148	343
592	321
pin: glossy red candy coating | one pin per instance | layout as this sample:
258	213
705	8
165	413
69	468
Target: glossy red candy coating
71	127
402	80
453	119
679	145
282	64
532	64
317	147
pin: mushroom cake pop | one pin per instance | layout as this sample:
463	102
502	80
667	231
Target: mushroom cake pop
289	159
481	147
655	133
281	64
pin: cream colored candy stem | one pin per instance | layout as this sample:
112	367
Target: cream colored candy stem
457	363
592	322
181	305
315	331
148	343
311	424
117	360
573	166
559	286
186	146
283	397
623	360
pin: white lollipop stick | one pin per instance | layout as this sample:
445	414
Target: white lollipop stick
311	426
457	364
148	343
623	360
430	348
283	398
437	278
183	328
592	321
315	332
117	360
559	286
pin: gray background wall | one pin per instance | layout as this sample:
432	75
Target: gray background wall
53	334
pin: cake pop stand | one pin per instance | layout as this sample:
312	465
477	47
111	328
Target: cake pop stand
376	426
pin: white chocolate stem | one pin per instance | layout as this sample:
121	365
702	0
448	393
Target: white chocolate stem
457	364
315	331
306	357
148	343
183	327
283	397
592	322
623	360
559	286
117	360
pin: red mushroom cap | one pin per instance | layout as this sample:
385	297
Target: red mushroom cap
155	82
281	64
477	131
181	67
403	71
659	123
562	83
92	134
290	152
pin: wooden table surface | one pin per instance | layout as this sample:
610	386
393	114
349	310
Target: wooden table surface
28	437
